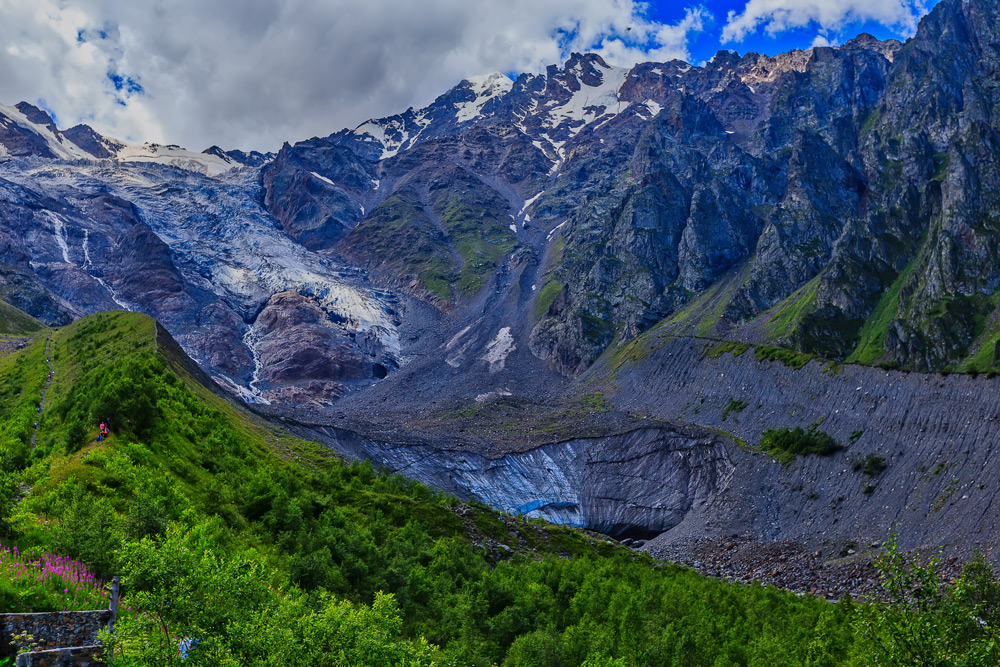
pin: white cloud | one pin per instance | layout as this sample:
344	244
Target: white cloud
254	73
776	16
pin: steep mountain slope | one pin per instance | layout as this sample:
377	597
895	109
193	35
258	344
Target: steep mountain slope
200	255
756	198
835	200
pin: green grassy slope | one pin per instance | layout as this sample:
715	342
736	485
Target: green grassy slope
15	322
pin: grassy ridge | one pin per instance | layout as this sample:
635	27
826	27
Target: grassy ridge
14	322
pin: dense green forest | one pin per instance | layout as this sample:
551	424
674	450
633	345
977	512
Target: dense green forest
242	545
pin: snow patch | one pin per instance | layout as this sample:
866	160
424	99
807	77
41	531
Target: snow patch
454	359
490	395
59	225
457	337
485	88
323	178
529	202
499	349
554	230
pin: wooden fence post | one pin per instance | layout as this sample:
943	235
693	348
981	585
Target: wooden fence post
113	606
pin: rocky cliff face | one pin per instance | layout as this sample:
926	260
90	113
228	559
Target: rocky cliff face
835	200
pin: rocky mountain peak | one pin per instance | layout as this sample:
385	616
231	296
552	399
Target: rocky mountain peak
91	141
36	115
758	68
589	68
887	48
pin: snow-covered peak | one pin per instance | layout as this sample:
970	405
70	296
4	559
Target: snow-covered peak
210	164
382	138
493	84
36	135
485	88
597	95
393	134
22	136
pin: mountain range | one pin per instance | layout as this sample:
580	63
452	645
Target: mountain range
516	265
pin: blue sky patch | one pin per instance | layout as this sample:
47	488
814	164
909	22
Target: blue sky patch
125	84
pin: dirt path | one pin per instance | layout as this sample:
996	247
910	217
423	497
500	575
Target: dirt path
45	389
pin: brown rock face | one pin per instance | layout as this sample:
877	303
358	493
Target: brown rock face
300	346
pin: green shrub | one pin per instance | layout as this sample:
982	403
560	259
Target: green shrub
872	465
89	531
8	490
785	443
790	358
734	406
926	620
127	396
76	436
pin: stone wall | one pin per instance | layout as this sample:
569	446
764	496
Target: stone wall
53	630
78	656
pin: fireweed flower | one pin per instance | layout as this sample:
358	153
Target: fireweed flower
48	574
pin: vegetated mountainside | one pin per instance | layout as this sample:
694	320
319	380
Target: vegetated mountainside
263	547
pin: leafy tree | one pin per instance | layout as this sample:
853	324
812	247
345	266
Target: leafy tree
127	394
89	530
927	622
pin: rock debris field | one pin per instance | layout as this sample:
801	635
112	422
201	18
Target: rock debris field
786	564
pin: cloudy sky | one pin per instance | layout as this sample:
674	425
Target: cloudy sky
253	73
